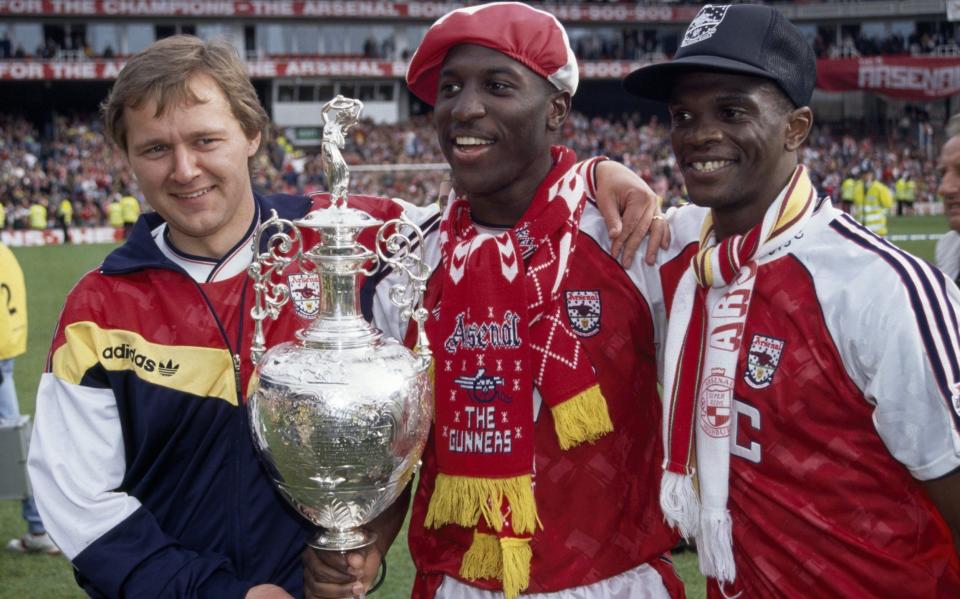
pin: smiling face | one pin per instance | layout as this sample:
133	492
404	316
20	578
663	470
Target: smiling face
735	139
494	119
948	168
191	165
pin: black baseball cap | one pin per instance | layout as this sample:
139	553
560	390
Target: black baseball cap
747	39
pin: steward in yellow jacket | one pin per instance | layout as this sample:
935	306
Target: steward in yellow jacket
877	201
13	306
905	192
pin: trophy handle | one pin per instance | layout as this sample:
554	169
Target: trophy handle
283	247
400	245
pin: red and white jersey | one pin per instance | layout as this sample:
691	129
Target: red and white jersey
846	397
598	502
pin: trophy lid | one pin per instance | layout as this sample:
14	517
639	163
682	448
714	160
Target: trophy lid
337	217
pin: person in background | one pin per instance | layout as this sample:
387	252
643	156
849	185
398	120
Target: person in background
65	217
115	212
851	191
811	368
13	343
130	212
905	193
948	170
38	215
877	203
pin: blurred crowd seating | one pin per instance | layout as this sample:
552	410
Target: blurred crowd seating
70	158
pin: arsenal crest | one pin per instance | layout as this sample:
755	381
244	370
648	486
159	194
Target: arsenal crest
716	400
583	312
704	25
483	388
305	293
762	361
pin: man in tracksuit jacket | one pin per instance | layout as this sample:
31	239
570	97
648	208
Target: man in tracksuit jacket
142	446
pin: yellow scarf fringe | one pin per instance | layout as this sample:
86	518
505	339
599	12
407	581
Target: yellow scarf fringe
484	558
506	559
583	417
462	500
516	565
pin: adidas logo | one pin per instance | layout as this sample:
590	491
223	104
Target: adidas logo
168	369
129	353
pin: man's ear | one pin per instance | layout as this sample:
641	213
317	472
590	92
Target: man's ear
558	110
799	123
253	144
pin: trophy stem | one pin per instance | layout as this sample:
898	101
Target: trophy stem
339	296
349	539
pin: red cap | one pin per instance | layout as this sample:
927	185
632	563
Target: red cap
532	37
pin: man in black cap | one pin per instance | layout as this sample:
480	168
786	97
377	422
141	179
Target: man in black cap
827	449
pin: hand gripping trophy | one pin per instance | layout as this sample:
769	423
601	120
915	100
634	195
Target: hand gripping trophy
341	414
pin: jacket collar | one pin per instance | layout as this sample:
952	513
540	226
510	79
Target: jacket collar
140	251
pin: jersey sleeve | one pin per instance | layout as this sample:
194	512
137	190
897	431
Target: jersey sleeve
901	345
76	464
375	294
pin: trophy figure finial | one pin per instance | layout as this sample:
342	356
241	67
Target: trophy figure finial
339	115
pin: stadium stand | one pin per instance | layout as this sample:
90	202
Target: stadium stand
73	159
301	53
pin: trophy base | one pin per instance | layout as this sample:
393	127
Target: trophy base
342	540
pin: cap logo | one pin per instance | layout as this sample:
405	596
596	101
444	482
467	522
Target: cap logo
705	24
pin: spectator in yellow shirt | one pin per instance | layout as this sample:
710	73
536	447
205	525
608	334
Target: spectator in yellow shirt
65	217
115	213
130	209
13	343
38	215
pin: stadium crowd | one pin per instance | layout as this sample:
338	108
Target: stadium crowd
70	168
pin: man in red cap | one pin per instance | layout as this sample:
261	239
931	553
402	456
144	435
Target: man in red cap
541	473
826	449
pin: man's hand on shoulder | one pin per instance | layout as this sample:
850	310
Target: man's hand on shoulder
267	591
332	575
631	210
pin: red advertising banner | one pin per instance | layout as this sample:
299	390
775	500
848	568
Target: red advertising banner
917	78
104	69
32	237
614	13
353	68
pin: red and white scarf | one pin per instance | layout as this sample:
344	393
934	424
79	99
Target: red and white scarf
704	337
500	331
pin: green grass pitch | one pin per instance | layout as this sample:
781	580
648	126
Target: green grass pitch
51	272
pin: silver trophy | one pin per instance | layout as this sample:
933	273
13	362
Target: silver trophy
341	414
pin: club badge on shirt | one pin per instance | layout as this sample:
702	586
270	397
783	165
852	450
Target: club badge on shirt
305	293
716	403
583	311
762	361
